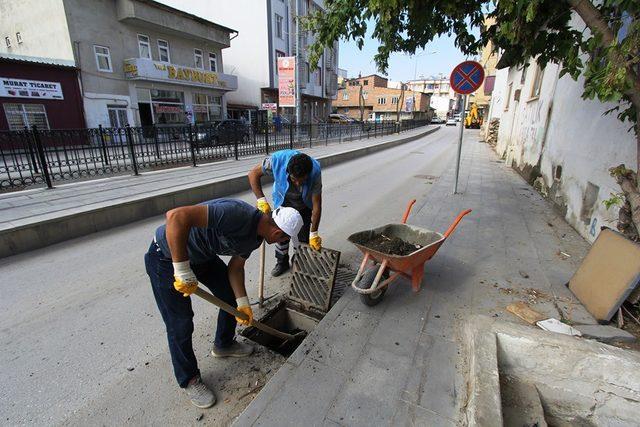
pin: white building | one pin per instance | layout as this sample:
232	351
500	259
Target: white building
443	98
561	143
267	30
141	62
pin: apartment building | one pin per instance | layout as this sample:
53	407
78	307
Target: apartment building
370	98
140	62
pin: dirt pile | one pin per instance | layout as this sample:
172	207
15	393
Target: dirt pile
387	245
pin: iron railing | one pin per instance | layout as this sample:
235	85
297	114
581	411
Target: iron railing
42	157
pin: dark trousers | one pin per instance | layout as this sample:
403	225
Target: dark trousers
177	313
282	248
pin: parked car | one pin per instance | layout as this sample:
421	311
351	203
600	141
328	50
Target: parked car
224	132
437	120
451	121
340	118
458	117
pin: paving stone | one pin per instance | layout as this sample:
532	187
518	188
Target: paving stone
605	333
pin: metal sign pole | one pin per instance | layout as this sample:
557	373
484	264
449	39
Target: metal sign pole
462	118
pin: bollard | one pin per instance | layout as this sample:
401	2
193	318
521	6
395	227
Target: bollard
42	156
132	151
191	147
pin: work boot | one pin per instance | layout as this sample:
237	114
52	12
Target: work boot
237	349
281	267
200	395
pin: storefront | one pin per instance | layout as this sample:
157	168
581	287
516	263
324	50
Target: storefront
172	94
39	92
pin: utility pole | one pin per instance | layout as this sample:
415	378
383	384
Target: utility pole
298	97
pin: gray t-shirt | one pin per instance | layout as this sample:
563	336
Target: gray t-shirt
293	198
232	229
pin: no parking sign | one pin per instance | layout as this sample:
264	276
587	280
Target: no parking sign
467	77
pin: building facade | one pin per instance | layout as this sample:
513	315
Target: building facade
140	62
40	92
564	145
443	98
370	98
267	31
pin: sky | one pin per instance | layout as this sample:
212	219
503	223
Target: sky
439	56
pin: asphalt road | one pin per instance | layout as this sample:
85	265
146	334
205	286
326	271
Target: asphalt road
83	342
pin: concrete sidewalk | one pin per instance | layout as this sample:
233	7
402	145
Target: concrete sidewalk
36	218
400	363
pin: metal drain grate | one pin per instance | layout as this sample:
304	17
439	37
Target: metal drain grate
344	278
314	274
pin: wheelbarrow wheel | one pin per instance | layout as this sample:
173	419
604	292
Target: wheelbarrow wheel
366	281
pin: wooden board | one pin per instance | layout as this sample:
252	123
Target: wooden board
526	313
607	275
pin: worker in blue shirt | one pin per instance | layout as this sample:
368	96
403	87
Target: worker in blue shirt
186	251
297	184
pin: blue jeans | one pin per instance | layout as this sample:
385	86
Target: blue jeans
177	313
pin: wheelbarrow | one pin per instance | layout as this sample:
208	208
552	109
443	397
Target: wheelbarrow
371	282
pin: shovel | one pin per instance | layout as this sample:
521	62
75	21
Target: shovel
232	311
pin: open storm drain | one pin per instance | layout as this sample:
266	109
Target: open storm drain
313	279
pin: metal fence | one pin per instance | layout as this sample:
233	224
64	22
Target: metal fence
43	157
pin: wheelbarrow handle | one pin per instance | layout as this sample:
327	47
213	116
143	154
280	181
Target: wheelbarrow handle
455	222
408	211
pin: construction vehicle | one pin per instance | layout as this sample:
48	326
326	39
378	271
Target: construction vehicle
473	120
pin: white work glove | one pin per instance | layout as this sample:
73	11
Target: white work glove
186	281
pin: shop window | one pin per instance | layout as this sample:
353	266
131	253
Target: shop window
168	106
144	47
117	116
197	59
206	108
163	51
213	62
279	26
20	116
103	58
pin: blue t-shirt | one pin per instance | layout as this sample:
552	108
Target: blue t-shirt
232	229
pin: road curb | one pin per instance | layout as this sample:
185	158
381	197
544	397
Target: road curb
65	227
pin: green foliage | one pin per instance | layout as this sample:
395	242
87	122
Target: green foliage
541	29
616	199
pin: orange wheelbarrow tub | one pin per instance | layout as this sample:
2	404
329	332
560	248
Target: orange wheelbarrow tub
372	282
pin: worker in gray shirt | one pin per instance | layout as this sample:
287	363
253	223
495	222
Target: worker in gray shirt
297	184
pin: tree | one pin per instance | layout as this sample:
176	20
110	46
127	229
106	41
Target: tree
606	51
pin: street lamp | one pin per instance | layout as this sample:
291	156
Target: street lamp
415	69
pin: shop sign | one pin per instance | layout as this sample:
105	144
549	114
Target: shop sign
18	88
146	69
168	109
287	81
271	106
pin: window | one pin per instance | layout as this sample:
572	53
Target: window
21	115
103	58
19	37
279	54
197	59
278	26
213	62
382	100
163	51
394	99
523	76
345	95
144	48
117	116
508	101
206	108
307	72
7	40
365	83
537	83
168	106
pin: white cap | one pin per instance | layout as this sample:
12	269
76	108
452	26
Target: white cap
290	221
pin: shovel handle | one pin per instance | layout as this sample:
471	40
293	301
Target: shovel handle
261	281
232	311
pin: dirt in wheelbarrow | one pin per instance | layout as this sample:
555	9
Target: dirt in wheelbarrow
387	245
